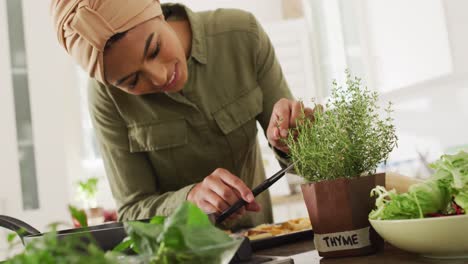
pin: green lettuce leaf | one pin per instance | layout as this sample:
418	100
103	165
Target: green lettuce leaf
449	182
390	205
421	199
453	169
430	196
462	199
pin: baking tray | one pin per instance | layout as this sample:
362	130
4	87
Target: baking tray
274	241
244	255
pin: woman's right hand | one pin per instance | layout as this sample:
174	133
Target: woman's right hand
221	189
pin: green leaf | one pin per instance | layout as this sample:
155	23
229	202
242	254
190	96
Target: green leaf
422	198
89	186
158	220
144	236
187	236
11	237
453	168
87	191
79	215
123	246
462	200
391	205
430	196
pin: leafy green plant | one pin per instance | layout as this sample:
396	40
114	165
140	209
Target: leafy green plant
48	249
348	139
187	236
87	191
79	215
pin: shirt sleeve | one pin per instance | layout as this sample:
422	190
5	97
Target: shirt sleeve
132	179
271	80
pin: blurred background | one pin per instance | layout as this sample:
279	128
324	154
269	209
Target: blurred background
412	52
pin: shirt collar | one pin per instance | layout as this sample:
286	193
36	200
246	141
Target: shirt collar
198	49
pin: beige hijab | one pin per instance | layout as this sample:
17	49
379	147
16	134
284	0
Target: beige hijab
84	26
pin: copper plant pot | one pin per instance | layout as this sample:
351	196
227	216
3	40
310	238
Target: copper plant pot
338	210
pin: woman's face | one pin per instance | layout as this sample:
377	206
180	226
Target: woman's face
148	59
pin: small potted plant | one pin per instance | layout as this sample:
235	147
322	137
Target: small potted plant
87	195
337	152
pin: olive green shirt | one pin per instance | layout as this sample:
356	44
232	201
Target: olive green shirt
156	147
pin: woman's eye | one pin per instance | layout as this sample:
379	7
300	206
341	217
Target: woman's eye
133	84
156	50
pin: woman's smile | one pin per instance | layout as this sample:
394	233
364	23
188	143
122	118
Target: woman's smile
172	81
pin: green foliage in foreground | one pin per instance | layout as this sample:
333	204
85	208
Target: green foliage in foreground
67	251
187	236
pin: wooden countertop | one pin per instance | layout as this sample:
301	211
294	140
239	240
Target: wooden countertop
304	252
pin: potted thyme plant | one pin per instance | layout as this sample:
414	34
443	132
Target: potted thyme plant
337	152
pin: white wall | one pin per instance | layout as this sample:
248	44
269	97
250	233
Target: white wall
55	118
54	105
457	24
408	41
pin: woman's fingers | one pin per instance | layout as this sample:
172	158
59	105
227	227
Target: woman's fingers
285	115
221	189
235	183
280	117
216	201
296	111
253	206
224	191
206	207
280	122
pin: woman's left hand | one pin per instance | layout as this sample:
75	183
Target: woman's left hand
284	115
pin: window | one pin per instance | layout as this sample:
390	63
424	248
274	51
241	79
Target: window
390	45
27	161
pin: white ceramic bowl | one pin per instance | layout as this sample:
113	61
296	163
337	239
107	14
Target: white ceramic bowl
436	237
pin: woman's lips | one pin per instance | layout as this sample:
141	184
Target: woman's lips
173	80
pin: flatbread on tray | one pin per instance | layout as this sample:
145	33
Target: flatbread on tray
269	230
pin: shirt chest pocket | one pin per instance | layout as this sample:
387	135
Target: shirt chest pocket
158	136
237	121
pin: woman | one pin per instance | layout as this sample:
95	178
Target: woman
175	98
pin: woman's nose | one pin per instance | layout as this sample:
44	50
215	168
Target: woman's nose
156	74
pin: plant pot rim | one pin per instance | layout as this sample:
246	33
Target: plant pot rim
343	179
